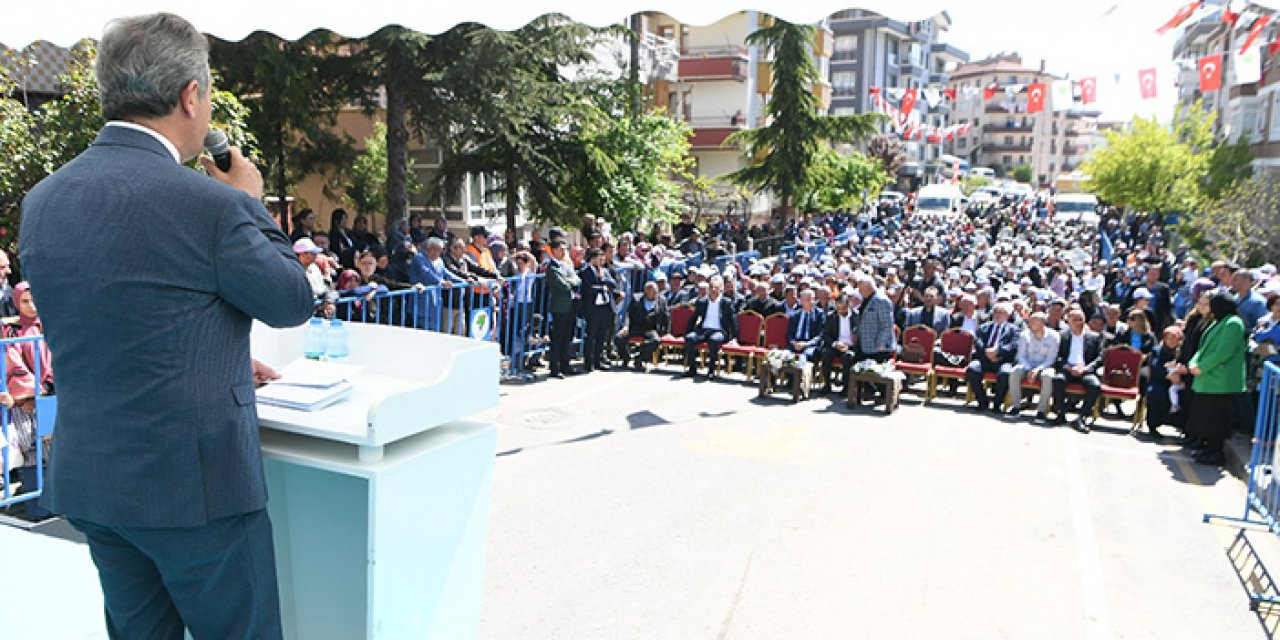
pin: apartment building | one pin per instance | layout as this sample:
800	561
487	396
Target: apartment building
722	86
1052	142
872	50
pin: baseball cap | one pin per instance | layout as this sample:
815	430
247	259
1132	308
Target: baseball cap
1141	293
305	245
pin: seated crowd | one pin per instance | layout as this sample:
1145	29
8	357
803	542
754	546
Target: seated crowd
1008	299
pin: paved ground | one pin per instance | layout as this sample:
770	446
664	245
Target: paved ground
640	506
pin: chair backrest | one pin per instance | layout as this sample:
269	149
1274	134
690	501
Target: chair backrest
775	331
958	343
750	327
923	335
680	316
1121	359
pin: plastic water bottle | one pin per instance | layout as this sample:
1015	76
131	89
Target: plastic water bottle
335	342
313	342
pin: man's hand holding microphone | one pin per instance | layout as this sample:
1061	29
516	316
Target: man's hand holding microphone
227	165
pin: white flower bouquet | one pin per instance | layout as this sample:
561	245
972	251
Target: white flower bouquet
881	369
778	358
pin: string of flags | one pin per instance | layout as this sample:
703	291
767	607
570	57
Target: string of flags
912	128
1247	61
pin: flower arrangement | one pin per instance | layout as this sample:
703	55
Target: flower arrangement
778	358
881	369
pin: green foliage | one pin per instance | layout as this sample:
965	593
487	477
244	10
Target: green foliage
1229	163
841	181
292	91
1241	225
791	142
1022	173
973	183
634	171
366	188
1146	168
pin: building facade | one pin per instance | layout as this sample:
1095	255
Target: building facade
1052	142
874	51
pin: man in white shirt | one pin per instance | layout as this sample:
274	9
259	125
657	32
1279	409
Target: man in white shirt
838	338
1079	356
712	324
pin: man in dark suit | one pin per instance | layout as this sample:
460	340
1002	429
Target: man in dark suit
1079	356
804	327
712	322
1160	306
929	315
995	345
762	303
597	290
839	337
969	317
648	318
157	460
562	287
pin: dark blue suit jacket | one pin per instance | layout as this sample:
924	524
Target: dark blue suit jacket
1007	347
148	276
813	329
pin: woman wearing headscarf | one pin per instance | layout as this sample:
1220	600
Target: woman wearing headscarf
20	375
1219	370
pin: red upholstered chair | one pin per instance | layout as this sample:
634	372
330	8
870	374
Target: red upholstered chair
1120	362
746	344
957	345
680	316
923	336
775	331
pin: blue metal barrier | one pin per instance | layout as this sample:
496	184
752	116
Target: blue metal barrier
1262	501
46	410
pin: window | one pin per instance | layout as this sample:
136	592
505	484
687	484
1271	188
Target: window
1051	167
844	83
962	142
1008	139
1275	117
1022	159
846	48
1013	79
1008	160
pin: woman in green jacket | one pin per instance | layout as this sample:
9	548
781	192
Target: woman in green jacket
1219	370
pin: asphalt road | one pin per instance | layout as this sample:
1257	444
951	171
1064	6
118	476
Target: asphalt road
643	506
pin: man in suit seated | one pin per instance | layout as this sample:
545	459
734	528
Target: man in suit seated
804	328
1079	356
968	317
712	322
838	339
996	347
648	318
929	315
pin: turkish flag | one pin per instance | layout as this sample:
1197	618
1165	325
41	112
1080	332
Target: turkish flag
989	91
1088	90
949	93
1211	73
875	91
1273	48
1179	17
1256	28
1230	17
1035	97
909	100
1147	82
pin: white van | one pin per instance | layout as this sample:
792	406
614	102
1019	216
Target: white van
982	172
939	198
1069	207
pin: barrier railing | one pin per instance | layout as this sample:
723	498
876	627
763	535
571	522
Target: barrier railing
1262	501
14	450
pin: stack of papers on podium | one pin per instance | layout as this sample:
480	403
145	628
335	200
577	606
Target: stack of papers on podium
309	385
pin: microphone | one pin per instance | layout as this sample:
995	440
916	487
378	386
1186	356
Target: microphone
215	142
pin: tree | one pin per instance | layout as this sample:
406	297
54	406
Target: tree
366	188
1022	173
506	108
889	151
973	183
1151	167
844	181
1242	225
790	143
1228	164
293	91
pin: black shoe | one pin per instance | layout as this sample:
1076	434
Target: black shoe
713	375
826	389
604	366
1212	458
639	366
1154	432
1080	425
1041	417
558	376
689	373
1058	420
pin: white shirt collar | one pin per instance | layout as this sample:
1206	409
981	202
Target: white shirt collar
173	151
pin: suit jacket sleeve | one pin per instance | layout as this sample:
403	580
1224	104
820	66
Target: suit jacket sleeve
1008	347
729	319
257	270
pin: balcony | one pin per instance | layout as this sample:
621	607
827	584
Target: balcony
844	56
939	78
1008	126
709	133
1007	147
995	107
1073	132
713	63
1074	149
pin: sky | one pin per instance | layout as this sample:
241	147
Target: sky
1079	39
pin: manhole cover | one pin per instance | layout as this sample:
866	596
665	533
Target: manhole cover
543	417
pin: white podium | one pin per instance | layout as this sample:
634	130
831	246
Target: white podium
380	503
